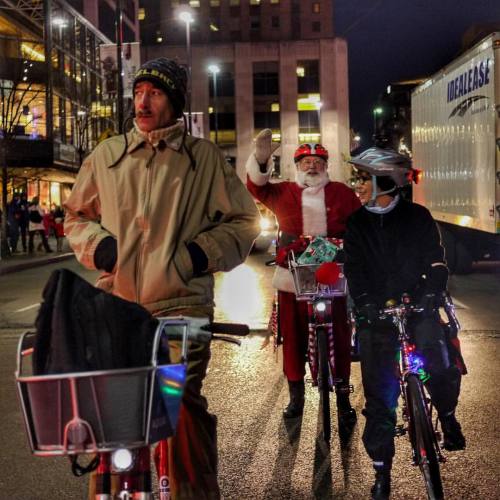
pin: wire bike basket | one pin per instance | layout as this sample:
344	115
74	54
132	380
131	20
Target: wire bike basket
306	285
100	411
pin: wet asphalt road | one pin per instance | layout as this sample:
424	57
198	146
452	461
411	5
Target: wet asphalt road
260	456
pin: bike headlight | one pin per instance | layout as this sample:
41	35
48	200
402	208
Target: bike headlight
122	459
320	306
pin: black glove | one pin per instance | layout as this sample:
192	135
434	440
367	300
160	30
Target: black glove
105	254
368	313
429	303
198	258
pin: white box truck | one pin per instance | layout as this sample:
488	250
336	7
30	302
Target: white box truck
456	144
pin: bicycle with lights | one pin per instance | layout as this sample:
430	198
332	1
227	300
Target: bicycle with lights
114	416
417	408
320	347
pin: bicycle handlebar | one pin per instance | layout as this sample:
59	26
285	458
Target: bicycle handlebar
399	309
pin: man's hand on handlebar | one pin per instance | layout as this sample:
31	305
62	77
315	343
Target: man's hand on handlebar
368	313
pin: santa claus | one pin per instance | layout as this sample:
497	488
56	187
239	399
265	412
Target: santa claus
311	206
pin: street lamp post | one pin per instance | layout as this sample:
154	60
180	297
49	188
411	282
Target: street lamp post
187	17
214	69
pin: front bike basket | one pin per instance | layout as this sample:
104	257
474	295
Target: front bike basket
306	286
100	411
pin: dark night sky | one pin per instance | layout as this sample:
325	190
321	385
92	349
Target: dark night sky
391	40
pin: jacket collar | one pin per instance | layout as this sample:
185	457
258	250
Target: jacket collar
171	136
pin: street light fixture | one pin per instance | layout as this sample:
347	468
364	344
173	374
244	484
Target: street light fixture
214	69
186	16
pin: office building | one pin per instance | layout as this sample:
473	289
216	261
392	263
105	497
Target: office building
280	67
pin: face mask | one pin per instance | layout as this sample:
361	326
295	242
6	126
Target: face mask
383	210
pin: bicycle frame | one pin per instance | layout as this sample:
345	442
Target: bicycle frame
319	314
410	364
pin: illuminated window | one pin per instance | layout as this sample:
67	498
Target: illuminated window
234	3
194	3
301	71
275	1
275	107
311	102
141	14
210	109
316	7
254	2
214	3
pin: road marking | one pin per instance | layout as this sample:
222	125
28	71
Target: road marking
27	308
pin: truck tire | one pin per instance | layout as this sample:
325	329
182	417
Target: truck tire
463	259
449	243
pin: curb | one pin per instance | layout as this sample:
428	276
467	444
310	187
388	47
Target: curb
21	266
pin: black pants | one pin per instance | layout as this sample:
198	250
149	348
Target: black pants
45	243
379	368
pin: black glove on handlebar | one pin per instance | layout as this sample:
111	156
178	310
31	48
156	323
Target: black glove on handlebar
368	313
429	303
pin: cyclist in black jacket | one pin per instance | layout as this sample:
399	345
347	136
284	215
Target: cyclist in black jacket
393	247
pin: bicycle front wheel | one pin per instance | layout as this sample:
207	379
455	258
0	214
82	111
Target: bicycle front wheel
422	440
324	380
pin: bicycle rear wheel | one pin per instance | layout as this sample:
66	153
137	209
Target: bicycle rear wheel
422	438
324	380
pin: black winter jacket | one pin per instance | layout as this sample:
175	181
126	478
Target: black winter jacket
391	254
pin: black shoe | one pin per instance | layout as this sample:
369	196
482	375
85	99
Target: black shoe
381	488
347	417
453	439
295	407
346	413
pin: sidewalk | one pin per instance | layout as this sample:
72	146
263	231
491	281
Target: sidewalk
20	261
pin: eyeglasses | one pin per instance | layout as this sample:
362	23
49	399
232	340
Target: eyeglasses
318	162
362	179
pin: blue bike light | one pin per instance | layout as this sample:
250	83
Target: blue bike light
320	306
122	460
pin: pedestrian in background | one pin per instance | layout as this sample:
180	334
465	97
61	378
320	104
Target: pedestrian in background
36	225
13	216
24	220
58	226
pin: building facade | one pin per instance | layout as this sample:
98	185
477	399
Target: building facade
280	67
52	101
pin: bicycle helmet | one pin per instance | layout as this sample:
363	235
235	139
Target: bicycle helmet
310	150
385	163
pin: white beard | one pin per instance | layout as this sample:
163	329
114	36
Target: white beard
304	179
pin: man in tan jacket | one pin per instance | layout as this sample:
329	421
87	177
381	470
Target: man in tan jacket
159	212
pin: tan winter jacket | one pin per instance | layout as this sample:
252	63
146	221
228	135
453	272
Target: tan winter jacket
154	202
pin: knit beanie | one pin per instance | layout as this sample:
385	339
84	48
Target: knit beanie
169	76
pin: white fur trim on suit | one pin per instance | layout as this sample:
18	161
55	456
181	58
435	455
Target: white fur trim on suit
254	173
314	212
283	280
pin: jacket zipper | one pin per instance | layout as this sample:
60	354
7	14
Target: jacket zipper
145	211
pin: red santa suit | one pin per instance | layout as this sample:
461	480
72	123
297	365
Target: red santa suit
310	211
